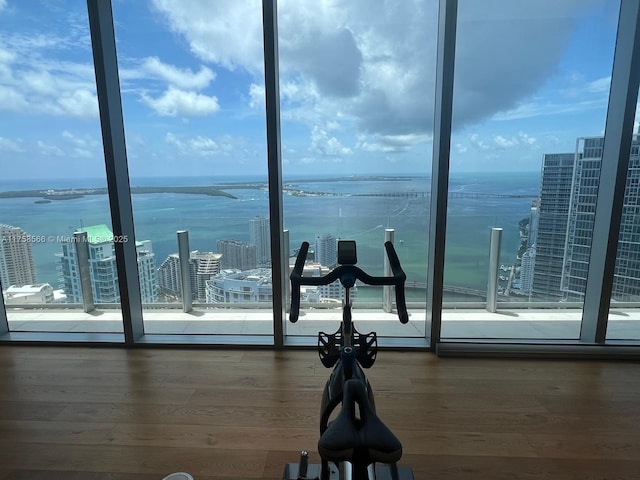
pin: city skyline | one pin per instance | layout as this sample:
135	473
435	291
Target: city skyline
560	226
356	90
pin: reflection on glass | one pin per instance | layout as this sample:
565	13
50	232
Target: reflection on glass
53	180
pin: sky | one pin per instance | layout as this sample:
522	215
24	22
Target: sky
356	85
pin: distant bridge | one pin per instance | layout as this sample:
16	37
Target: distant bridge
414	194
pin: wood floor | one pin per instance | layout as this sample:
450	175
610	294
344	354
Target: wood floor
115	414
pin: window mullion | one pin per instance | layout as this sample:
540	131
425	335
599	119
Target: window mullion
111	121
625	81
274	165
443	111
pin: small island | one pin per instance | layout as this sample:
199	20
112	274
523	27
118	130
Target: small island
219	190
46	196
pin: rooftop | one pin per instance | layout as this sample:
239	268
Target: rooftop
98	233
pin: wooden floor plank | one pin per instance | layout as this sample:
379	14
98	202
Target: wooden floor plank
132	460
116	414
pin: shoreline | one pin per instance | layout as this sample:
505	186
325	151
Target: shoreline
75	193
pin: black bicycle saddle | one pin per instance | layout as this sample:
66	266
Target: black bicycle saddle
358	440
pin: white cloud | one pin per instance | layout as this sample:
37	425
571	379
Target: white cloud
180	78
31	83
478	142
174	102
82	146
49	150
503	142
375	66
226	32
256	96
13	100
178	94
80	103
326	145
490	145
332	125
541	108
6	56
199	145
7	145
347	70
391	143
601	85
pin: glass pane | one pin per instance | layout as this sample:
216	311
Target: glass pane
357	89
528	108
624	318
53	179
197	157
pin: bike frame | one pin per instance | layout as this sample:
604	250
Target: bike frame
347	365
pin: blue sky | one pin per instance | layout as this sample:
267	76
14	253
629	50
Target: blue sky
356	85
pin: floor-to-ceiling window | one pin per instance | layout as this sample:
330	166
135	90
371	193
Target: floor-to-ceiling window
53	180
196	144
356	99
356	94
530	102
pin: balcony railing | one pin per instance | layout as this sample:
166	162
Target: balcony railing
489	315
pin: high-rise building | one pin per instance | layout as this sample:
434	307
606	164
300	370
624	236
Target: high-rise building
582	209
528	259
534	221
568	197
16	258
259	236
202	266
326	249
527	268
103	270
169	278
551	236
237	255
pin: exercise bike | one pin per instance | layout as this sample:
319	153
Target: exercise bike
356	445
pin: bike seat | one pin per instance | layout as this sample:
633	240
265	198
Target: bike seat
358	440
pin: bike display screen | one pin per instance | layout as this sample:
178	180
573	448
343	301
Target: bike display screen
347	252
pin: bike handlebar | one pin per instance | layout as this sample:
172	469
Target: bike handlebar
345	271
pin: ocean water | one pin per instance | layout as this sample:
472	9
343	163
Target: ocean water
352	208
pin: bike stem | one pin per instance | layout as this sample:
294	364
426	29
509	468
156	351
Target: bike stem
347	324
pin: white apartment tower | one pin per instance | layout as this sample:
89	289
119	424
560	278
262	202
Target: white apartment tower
16	258
326	249
233	286
527	268
103	270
